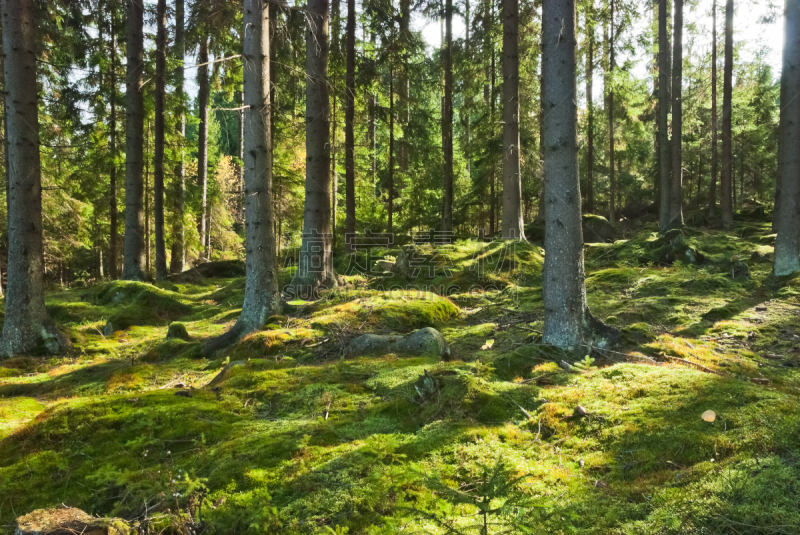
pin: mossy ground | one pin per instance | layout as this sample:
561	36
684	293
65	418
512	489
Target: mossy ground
300	438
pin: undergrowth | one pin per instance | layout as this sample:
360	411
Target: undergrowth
286	433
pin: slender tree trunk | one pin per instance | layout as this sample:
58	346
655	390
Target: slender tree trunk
513	227
390	222
664	107
468	93
178	256
787	218
676	186
611	148
568	322
158	159
27	325
727	113
712	192
133	268
349	121
447	120
335	18
315	269
113	237
540	208
590	109
202	140
493	168
147	201
261	296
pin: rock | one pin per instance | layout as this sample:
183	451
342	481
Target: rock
225	269
740	270
384	265
423	341
759	258
109	329
672	247
68	521
369	343
597	229
178	330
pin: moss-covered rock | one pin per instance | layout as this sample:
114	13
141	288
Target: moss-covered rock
178	330
597	229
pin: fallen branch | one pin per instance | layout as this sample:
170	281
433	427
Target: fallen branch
694	365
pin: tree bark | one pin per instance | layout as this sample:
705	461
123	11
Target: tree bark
202	141
158	158
676	185
513	226
133	268
590	109
261	296
113	236
726	179
664	107
315	268
390	195
611	152
787	219
447	122
28	326
349	122
568	322
178	256
712	191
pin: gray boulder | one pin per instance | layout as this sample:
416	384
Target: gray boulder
426	341
597	229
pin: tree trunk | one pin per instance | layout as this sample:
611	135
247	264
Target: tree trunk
158	158
133	268
113	237
315	268
261	296
787	218
676	185
27	325
147	201
664	106
202	141
349	134
513	227
712	192
727	141
590	109
447	121
568	322
540	208
336	30
178	256
492	162
611	154
390	185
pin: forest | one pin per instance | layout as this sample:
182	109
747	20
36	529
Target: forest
441	267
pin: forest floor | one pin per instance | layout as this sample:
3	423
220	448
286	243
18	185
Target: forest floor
302	438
